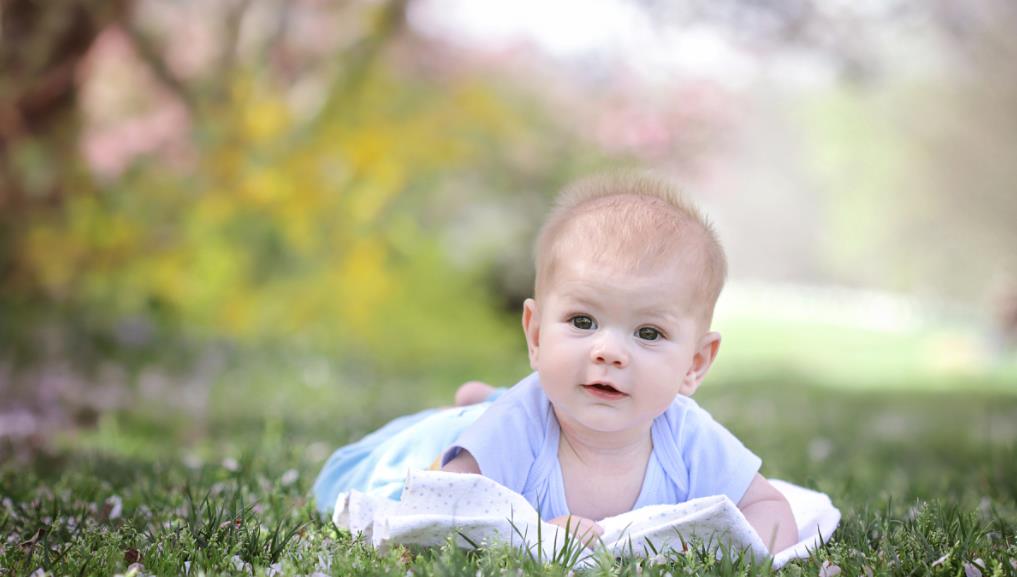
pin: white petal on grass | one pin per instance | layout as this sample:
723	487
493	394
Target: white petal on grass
820	449
193	461
829	570
230	464
985	505
134	570
115	506
324	565
317	451
941	560
239	564
289	477
972	570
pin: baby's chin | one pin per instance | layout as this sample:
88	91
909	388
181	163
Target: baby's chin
606	420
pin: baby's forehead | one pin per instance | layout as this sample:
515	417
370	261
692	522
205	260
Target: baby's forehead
633	224
667	294
584	271
629	248
624	256
627	264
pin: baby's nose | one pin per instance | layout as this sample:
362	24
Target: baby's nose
609	350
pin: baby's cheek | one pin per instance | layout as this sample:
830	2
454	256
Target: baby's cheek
552	368
660	402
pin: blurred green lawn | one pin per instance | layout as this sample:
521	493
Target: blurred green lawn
771	380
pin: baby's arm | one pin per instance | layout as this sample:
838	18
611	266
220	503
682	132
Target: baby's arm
770	514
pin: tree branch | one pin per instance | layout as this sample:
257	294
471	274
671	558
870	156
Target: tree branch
232	23
152	56
349	77
274	50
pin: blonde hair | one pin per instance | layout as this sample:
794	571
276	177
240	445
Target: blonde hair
636	219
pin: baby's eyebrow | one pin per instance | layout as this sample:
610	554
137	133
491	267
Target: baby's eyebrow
653	312
657	313
580	297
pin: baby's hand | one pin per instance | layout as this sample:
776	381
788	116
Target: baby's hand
582	528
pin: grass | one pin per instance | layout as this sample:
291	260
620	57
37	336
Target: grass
926	479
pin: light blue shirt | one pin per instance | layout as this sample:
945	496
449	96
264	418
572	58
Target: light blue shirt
515	442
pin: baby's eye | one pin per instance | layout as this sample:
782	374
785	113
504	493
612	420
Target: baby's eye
648	333
583	322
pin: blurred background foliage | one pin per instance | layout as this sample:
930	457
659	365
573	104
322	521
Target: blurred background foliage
274	225
234	203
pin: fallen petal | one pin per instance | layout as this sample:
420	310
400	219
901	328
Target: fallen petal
289	477
113	508
829	570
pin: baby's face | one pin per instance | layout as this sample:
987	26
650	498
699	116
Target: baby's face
613	348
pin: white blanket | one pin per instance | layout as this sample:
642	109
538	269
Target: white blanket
477	510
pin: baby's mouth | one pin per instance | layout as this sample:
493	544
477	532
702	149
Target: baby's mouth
604	390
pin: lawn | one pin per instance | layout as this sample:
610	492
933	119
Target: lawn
926	479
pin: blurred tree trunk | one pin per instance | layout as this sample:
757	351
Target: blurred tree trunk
41	46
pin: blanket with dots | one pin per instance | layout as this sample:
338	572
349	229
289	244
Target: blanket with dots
475	510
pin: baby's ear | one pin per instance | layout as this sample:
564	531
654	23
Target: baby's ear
531	328
702	360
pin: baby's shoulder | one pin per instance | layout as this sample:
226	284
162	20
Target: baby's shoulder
506	440
683	405
520	412
526	399
683	414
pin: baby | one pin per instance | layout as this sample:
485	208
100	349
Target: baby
619	336
618	332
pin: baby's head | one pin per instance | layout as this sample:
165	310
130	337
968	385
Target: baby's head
627	277
633	223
